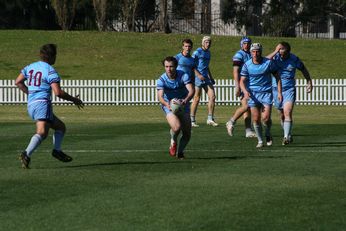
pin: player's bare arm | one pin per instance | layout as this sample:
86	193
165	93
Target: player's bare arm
191	91
20	83
64	95
277	49
161	99
278	82
236	80
306	75
242	86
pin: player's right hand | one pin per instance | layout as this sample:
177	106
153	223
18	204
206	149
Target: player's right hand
79	103
237	91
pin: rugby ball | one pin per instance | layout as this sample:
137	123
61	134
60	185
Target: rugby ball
176	106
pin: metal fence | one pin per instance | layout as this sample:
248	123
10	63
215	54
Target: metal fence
199	23
143	92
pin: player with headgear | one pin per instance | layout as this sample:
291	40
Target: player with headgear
256	84
240	57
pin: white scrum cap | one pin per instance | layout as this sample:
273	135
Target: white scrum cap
256	46
206	38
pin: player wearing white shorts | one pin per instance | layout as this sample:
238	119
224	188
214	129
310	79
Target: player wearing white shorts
41	79
288	63
203	80
176	84
256	84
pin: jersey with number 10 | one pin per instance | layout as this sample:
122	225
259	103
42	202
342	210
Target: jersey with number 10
39	76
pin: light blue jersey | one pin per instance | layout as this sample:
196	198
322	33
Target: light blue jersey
287	70
240	58
202	59
186	64
173	88
40	75
259	75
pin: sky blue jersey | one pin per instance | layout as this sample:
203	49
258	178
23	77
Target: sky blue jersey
40	75
287	70
173	88
240	58
186	64
202	59
259	75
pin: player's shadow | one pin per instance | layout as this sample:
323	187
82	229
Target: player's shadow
238	157
127	163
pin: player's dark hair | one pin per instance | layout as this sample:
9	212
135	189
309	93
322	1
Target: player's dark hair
286	45
170	59
188	41
48	53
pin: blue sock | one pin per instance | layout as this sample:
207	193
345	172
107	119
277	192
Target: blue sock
210	117
34	143
57	139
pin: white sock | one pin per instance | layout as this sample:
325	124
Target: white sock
34	143
57	139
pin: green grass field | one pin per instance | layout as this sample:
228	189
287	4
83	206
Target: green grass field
112	55
122	177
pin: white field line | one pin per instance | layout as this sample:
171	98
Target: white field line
233	151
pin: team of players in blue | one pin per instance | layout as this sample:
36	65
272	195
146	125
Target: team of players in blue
260	81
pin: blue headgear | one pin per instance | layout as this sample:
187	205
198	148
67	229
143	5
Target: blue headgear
244	39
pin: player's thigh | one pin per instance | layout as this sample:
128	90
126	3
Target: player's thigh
209	89
198	92
173	121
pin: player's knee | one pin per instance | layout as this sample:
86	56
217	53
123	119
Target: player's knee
43	135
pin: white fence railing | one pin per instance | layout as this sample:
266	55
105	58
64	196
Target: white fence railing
143	92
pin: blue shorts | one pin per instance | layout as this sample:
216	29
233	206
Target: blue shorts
167	111
201	84
289	95
41	110
260	98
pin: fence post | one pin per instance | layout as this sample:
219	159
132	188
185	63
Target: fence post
117	92
329	91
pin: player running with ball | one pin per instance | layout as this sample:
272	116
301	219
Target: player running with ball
176	84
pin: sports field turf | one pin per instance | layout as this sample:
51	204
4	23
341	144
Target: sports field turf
122	177
113	55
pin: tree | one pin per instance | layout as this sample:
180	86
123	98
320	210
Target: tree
65	11
163	17
100	12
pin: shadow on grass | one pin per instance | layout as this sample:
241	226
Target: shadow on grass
185	161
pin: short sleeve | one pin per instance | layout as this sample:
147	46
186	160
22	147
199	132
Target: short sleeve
159	84
244	71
